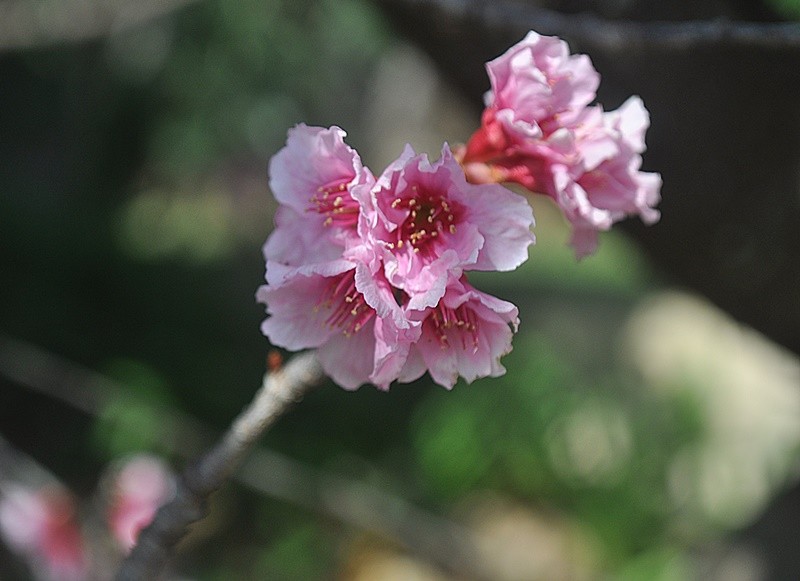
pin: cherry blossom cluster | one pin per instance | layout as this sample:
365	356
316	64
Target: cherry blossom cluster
371	271
538	130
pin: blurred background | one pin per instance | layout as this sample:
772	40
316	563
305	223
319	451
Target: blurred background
639	428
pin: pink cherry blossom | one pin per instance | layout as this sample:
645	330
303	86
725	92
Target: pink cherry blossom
605	184
342	309
538	86
465	335
432	224
139	488
41	526
367	276
538	130
312	177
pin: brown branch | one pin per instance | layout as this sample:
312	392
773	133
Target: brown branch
441	541
278	392
611	35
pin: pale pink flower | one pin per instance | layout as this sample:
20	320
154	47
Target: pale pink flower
41	526
344	310
312	177
465	335
139	488
605	184
431	224
538	86
538	130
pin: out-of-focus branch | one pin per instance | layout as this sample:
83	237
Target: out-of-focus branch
439	540
280	389
610	34
19	467
32	23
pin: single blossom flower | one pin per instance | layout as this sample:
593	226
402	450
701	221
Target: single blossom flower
538	130
41	526
312	177
537	88
343	309
605	184
431	224
465	335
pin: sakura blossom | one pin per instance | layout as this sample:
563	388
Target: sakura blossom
465	334
334	307
539	130
312	178
432	225
539	87
606	185
390	265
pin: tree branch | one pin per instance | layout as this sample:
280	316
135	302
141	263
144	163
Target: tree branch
441	541
279	390
611	35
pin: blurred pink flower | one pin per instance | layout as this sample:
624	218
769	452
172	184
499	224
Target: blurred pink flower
538	130
139	488
41	526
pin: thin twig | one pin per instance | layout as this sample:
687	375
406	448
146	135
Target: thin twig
278	392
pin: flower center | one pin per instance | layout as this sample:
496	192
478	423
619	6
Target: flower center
430	216
335	203
446	324
349	310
